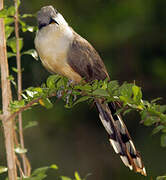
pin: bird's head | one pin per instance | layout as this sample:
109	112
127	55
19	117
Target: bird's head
48	15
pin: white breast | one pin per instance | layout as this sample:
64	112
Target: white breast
52	44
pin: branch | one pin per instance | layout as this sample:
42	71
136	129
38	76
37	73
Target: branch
19	84
1	4
6	98
27	106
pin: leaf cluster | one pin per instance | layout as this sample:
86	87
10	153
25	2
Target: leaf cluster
41	173
128	95
9	15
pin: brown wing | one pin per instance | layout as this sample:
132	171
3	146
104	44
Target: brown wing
84	60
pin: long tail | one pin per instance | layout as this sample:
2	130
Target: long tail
119	137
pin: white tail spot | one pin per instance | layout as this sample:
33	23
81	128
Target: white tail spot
115	145
126	162
139	162
106	124
144	171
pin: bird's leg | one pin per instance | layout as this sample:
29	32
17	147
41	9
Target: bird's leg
69	93
59	93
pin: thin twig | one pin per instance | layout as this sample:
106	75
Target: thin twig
27	106
19	83
6	98
19	167
1	4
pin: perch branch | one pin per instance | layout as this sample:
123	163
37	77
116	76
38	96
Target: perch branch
27	106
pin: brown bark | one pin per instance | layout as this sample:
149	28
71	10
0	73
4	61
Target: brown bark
6	98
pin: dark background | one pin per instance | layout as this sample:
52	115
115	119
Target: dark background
130	36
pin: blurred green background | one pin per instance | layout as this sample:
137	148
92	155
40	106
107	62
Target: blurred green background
130	36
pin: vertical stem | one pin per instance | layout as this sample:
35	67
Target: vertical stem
1	4
6	97
18	58
19	83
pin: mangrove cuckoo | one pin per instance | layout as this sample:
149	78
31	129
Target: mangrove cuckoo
65	52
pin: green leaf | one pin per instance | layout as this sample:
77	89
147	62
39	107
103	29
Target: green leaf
161	177
8	31
20	150
41	170
15	105
11	11
10	54
30	124
15	69
12	44
100	92
60	84
86	87
18	2
127	111
157	129
25	27
24	96
38	90
51	80
46	103
40	173
162	108
31	52
65	178
126	90
150	120
8	21
113	86
3	169
77	176
7	12
54	166
37	177
155	100
30	28
81	99
137	94
26	15
3	13
163	140
104	84
11	78
124	99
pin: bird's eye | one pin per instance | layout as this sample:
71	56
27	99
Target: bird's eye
52	21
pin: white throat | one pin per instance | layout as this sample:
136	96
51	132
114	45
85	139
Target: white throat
52	43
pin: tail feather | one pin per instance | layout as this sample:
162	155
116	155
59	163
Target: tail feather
119	137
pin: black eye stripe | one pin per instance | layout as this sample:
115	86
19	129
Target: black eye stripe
42	25
53	21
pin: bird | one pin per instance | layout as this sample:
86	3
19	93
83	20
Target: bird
65	52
